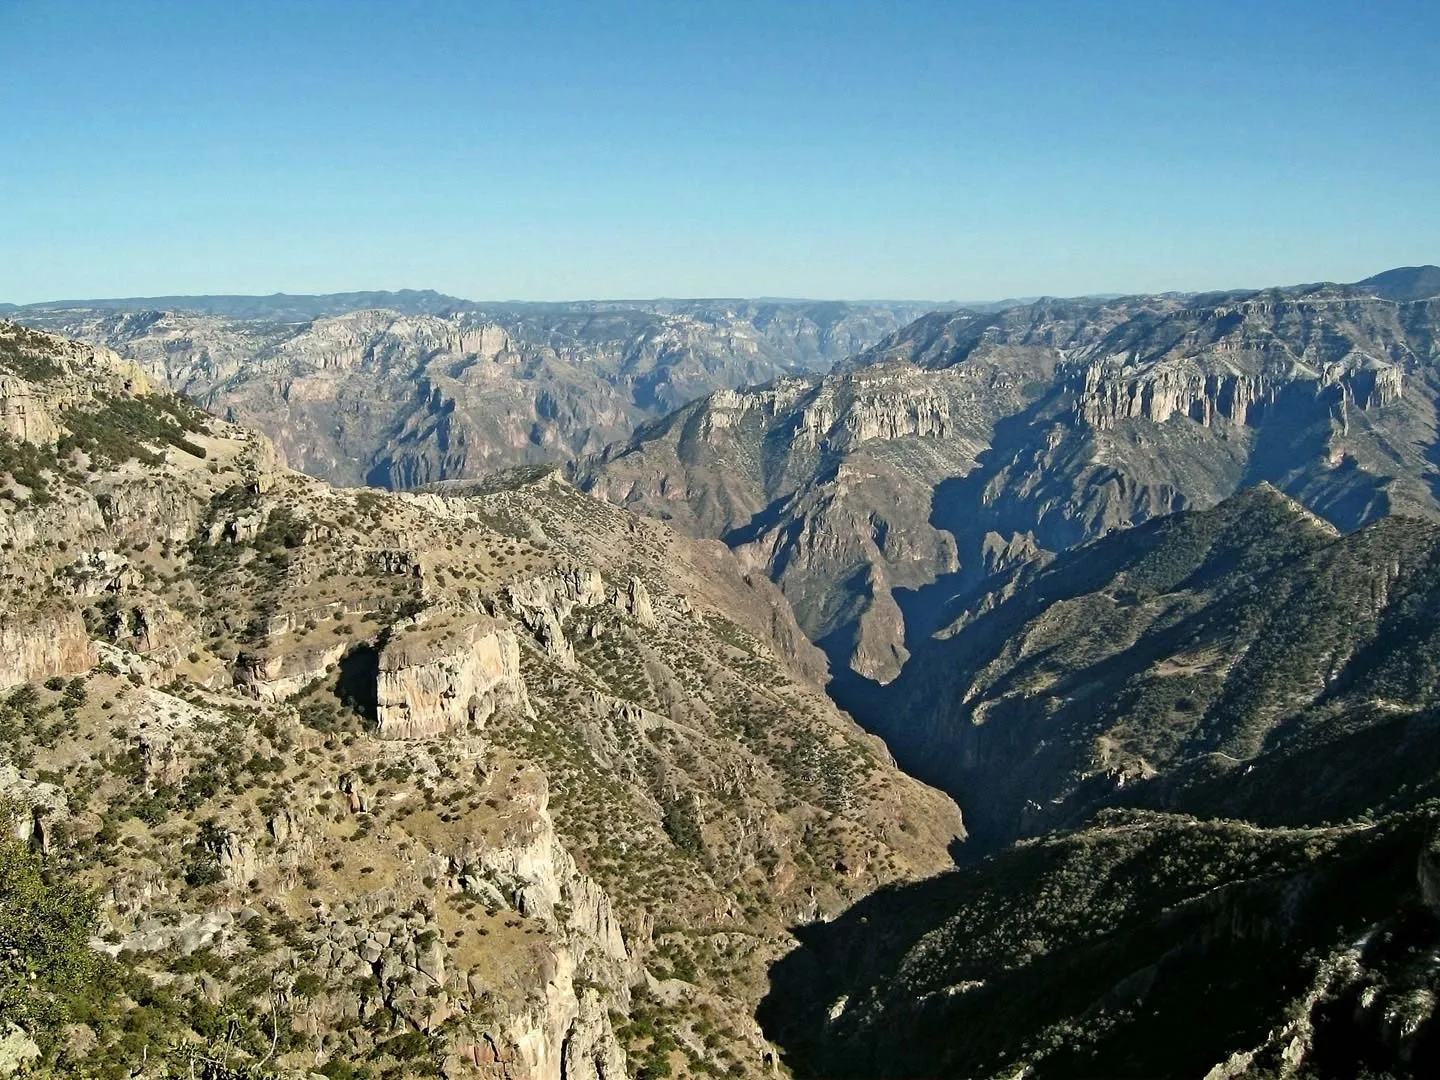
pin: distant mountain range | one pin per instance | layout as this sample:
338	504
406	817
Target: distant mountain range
402	389
299	307
277	306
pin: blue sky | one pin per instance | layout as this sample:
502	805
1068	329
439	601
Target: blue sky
547	150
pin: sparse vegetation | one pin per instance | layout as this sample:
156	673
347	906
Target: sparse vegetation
123	428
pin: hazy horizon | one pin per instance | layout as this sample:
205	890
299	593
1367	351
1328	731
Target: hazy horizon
751	297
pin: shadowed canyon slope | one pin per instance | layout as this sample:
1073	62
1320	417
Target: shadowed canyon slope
1220	734
1144	945
1150	664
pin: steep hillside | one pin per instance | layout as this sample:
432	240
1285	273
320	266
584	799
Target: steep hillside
1145	945
355	390
497	782
882	496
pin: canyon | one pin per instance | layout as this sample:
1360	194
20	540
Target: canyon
404	389
531	761
883	496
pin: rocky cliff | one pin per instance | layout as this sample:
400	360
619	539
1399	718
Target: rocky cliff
442	676
36	648
877	496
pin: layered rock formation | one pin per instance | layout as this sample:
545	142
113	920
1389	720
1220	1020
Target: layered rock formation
280	675
824	487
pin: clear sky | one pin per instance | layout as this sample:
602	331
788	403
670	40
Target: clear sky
829	149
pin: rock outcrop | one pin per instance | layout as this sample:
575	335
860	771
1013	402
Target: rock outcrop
529	869
634	600
46	378
563	1033
446	674
543	604
278	675
38	807
35	648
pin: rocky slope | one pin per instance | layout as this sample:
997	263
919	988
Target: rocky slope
882	496
403	389
497	781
